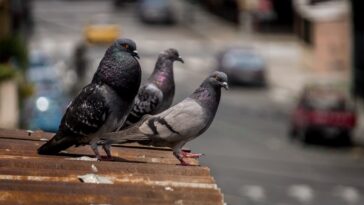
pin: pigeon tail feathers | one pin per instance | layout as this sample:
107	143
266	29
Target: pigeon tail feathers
55	145
128	135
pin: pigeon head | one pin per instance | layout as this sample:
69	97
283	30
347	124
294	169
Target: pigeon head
119	68
173	55
219	79
126	45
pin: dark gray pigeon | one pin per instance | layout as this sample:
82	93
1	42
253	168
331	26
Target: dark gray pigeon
156	95
103	105
179	124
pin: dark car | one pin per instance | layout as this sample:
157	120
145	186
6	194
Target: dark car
323	113
156	11
243	66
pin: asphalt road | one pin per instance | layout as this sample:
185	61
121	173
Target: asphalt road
246	146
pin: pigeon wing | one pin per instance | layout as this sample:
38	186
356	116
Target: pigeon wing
179	122
86	114
146	102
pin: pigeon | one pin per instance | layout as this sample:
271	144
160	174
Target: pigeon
180	123
156	95
103	105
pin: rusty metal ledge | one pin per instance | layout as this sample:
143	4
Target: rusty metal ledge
138	175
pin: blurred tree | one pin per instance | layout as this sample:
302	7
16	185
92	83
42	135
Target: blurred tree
21	17
13	50
14	18
6	72
4	18
14	62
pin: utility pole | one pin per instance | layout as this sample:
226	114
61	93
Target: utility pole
358	48
246	21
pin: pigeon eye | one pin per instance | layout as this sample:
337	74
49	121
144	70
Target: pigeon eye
125	46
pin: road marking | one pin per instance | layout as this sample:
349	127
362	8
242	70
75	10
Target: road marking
253	192
301	192
349	194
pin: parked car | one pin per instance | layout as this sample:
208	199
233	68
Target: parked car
323	113
157	11
101	30
243	66
45	108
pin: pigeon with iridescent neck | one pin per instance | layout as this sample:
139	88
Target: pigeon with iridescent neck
180	123
156	95
103	105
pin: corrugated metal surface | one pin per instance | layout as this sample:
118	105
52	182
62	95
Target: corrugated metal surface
139	175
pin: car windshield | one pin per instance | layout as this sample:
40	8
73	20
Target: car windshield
326	100
243	59
328	103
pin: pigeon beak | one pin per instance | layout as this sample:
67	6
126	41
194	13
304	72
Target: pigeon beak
135	54
225	85
180	59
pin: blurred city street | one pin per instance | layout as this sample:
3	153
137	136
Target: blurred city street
247	147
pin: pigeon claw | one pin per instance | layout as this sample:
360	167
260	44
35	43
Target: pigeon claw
180	157
191	155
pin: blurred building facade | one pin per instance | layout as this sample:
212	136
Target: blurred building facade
324	28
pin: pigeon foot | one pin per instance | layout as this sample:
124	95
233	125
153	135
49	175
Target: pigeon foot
191	155
106	158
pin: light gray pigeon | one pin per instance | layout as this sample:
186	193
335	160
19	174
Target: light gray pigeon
156	95
103	105
179	124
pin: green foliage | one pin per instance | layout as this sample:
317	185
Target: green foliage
25	90
13	47
6	72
